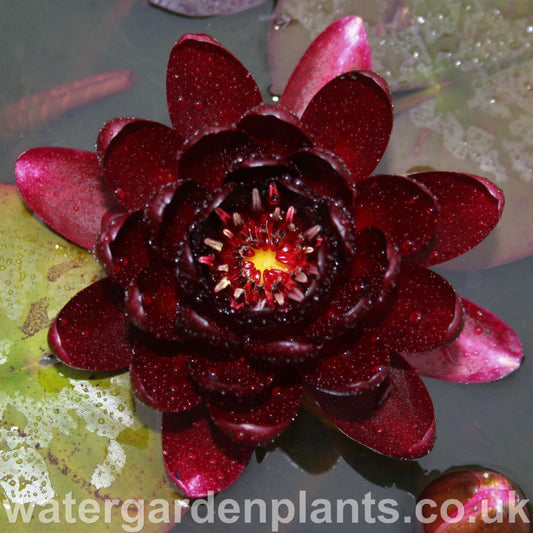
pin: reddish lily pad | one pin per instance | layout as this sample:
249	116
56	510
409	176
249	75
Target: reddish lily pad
474	115
62	431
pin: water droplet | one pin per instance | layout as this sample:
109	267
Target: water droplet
416	317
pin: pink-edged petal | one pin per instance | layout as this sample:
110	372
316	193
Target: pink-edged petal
427	313
198	458
206	85
470	208
237	377
352	117
398	422
360	367
210	8
152	301
66	189
122	247
276	131
261	424
109	131
92	332
207	156
403	209
140	159
169	214
160	375
341	47
486	350
324	173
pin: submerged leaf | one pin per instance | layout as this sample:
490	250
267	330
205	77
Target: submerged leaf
64	434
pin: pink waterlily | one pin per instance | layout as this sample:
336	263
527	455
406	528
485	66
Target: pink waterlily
253	260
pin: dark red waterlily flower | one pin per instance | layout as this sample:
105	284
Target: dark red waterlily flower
252	259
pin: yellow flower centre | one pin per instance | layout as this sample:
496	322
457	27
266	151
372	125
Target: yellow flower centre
266	260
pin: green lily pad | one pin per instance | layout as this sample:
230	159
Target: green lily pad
72	448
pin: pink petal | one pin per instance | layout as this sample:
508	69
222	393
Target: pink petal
341	47
229	376
160	376
209	8
257	425
207	156
406	211
401	424
206	85
470	208
427	312
198	458
122	247
140	159
352	117
360	367
91	331
65	188
486	350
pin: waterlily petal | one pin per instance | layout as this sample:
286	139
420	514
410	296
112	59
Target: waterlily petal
122	248
352	117
207	156
400	422
66	189
92	332
160	376
470	208
207	85
257	425
361	367
427	312
109	131
341	47
404	210
199	459
140	159
275	130
237	377
486	350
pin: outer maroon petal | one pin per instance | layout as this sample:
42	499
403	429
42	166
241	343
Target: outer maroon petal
152	301
403	209
91	331
486	350
402	422
160	376
109	131
237	376
470	208
360	367
122	248
427	313
207	85
66	189
260	425
207	156
276	131
352	117
198	458
341	47
140	159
